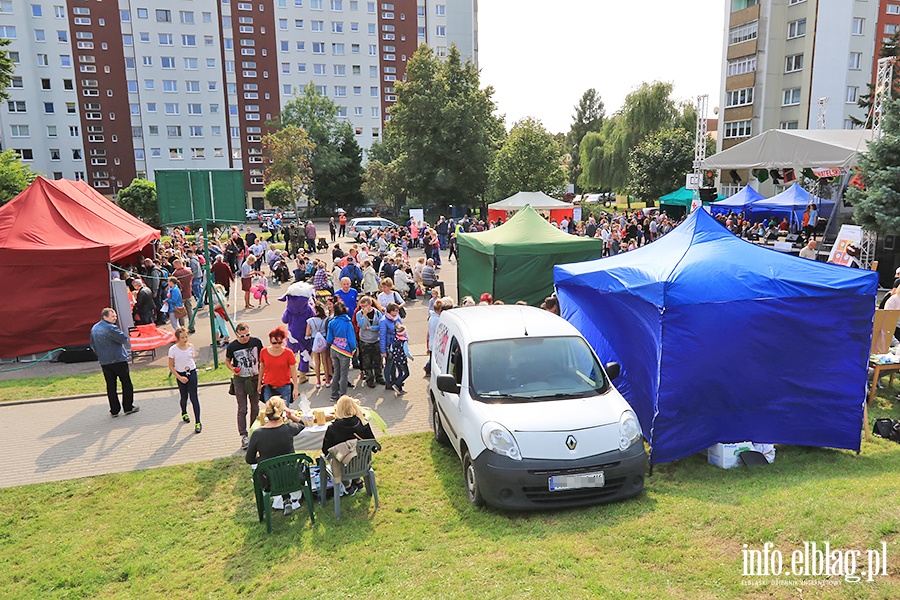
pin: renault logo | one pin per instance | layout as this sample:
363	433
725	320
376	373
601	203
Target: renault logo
571	442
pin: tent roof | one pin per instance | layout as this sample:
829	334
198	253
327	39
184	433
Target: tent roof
700	254
680	197
62	215
794	148
793	197
741	200
526	232
537	200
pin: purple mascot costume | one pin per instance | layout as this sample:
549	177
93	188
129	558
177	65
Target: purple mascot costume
299	309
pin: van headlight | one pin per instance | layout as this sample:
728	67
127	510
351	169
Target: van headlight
629	430
498	439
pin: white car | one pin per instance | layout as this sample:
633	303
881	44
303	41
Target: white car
533	416
251	214
367	224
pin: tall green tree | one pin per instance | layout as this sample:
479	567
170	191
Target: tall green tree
443	130
14	175
878	205
289	151
658	164
279	193
7	68
530	160
336	160
139	199
646	110
588	117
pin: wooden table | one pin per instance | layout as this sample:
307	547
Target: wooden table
881	371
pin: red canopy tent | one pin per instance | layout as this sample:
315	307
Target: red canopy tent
56	239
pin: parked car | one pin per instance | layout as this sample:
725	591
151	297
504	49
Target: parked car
265	213
288	215
535	419
367	224
251	214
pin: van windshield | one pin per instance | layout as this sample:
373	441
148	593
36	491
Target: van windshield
524	369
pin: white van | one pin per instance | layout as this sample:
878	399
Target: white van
522	398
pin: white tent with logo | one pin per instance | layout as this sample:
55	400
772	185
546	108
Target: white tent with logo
794	148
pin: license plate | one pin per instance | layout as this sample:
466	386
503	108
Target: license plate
574	482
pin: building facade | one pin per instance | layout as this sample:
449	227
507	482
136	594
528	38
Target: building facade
110	90
796	64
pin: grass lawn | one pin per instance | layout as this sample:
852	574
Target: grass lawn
191	532
93	383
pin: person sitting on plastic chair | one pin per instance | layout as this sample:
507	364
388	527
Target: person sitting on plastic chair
349	424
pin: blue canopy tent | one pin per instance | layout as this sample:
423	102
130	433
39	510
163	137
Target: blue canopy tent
738	202
791	203
721	340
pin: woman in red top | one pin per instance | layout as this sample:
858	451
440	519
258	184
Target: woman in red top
278	369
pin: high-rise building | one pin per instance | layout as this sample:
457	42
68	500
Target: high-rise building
795	64
109	90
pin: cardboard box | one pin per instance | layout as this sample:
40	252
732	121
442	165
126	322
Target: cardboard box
725	456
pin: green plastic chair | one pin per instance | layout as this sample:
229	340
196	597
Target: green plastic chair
283	475
360	467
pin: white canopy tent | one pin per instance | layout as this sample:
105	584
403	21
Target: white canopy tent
537	200
794	148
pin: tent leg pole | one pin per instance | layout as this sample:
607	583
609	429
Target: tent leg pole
207	289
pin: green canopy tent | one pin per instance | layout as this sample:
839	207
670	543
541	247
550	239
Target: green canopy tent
515	261
678	202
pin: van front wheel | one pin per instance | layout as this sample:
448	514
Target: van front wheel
473	489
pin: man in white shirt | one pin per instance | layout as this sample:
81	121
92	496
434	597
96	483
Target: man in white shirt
809	250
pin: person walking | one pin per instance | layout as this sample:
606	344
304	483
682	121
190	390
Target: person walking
342	339
110	344
387	332
278	369
368	318
184	369
342	220
185	282
175	305
242	357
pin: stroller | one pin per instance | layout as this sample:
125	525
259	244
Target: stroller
321	244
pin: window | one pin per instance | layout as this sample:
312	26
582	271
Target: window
440	10
68	84
340	91
172	108
19	131
48	108
149	84
73	130
376	112
132	87
373	92
42	60
286	89
736	129
315	4
318	69
189	41
441	31
301	67
337	49
195	109
176	153
301	46
144	37
318	47
891	29
147	61
191	64
195	131
337	5
165	39
186	17
790	97
855	61
45	84
743	33
893	9
142	13
858	26
340	70
62	36
163	16
796	28
793	63
337	27
173	130
167	62
198	153
852	94
739	97
739	66
321	90
317	26
40	35
151	107
51	131
76	153
24	153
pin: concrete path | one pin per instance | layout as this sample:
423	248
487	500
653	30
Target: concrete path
69	438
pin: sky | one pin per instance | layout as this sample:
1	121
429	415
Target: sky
541	56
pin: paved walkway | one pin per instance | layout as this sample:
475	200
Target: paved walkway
69	438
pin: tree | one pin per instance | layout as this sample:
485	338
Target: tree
139	199
289	150
529	161
878	205
14	175
443	132
336	160
604	159
588	117
279	193
658	164
7	68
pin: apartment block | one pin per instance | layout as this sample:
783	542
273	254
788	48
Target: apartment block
794	64
109	90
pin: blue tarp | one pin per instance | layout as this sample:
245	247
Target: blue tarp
738	202
791	203
721	340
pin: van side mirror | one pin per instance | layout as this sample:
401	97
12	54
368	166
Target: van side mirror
447	383
612	370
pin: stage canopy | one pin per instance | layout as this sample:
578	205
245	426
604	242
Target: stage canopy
539	201
794	148
721	340
515	261
56	239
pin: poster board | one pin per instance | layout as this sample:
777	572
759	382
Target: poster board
195	195
849	234
885	322
417	215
